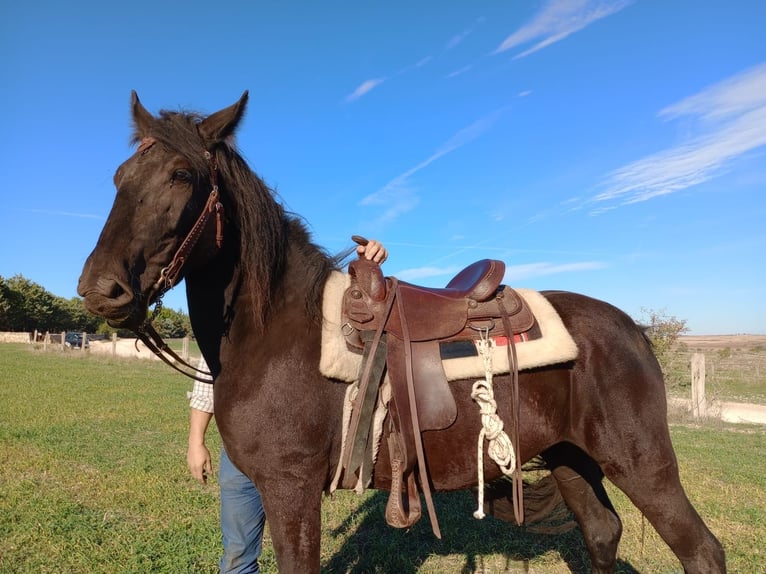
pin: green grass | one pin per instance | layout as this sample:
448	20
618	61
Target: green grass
93	470
93	479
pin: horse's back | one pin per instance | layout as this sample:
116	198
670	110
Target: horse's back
600	327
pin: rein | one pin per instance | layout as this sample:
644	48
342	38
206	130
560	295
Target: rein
169	276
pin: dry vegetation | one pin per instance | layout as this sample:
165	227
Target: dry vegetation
735	367
718	342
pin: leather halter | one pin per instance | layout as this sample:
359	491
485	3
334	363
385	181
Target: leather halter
169	276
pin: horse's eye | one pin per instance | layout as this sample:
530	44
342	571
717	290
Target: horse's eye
182	176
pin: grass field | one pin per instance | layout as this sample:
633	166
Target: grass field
93	479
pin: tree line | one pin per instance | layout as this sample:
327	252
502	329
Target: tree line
26	306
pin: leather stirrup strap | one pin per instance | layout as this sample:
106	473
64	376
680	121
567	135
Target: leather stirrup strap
517	478
423	471
351	457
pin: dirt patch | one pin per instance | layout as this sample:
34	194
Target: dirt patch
122	348
727	411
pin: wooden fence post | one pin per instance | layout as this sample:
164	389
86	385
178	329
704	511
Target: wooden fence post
185	348
114	344
699	401
63	340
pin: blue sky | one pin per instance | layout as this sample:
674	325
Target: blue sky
616	148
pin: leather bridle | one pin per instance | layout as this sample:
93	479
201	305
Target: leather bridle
169	276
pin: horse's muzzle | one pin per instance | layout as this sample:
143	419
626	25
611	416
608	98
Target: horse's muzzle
112	299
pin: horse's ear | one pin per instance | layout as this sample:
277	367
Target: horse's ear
222	124
142	119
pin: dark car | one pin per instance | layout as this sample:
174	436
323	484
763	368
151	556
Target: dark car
74	340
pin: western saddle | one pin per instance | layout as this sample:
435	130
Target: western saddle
400	328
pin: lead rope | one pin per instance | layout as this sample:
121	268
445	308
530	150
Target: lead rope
500	448
149	336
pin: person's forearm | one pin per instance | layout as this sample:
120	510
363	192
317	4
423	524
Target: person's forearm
198	423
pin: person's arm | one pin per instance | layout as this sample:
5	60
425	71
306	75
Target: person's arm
201	403
373	250
197	455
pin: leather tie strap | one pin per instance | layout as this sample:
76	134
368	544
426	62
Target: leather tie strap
422	469
517	478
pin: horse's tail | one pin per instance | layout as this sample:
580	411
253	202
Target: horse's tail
545	511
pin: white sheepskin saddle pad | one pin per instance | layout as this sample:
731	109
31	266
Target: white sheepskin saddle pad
555	346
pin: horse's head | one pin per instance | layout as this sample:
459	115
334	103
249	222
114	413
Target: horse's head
156	230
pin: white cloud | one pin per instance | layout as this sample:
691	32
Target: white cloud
65	213
741	93
732	117
423	61
399	195
364	88
419	273
368	85
557	20
515	273
458	72
397	198
457	38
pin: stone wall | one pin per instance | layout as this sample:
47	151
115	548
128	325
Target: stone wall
10	337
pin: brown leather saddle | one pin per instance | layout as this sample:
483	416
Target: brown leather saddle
401	328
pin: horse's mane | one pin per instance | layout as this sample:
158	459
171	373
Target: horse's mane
264	229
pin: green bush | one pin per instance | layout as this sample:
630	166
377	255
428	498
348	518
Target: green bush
724	353
664	331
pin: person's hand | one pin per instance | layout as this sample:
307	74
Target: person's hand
198	460
373	250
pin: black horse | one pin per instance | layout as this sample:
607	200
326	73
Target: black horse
254	284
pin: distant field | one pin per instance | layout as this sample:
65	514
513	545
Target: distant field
93	479
735	367
716	342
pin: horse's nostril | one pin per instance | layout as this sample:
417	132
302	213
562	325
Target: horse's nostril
116	290
109	288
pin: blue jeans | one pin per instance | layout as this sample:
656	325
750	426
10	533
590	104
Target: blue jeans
242	520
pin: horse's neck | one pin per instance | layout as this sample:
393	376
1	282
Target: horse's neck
221	305
302	282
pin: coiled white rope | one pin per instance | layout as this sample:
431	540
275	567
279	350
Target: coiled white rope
500	448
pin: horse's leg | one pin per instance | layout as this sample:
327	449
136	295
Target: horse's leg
618	416
636	454
293	514
654	486
580	482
